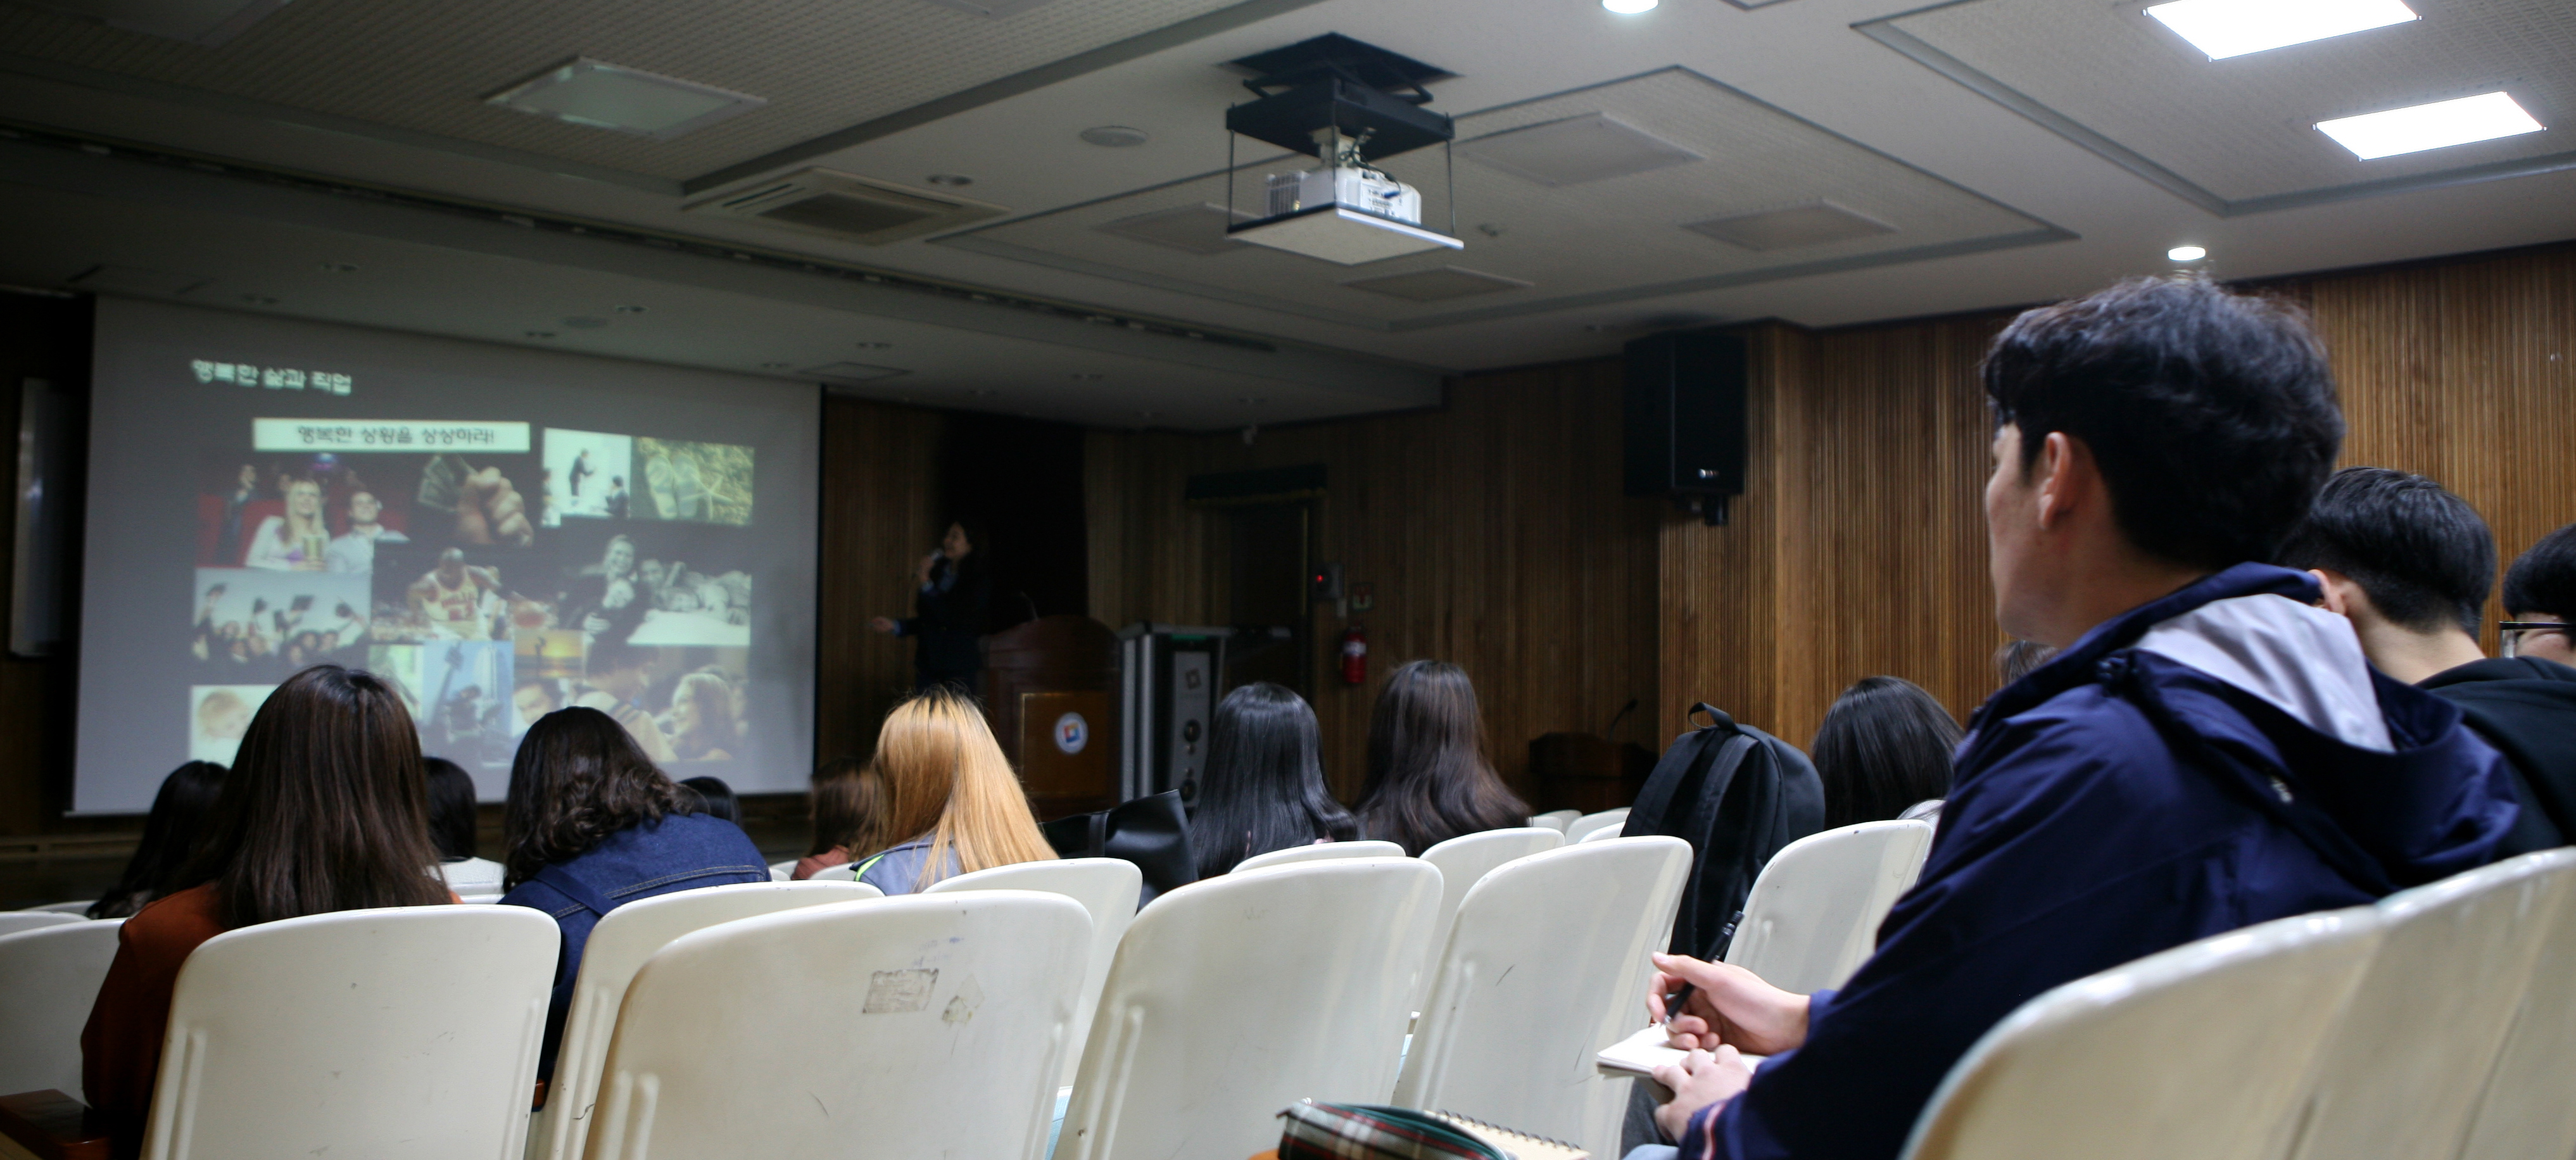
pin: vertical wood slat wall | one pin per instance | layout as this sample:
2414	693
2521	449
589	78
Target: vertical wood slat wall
879	478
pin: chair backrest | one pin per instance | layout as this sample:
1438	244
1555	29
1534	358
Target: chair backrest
2196	1051
13	921
77	908
1813	915
2525	1110
1237	996
1107	887
1320	852
845	872
892	1029
396	1033
1600	834
49	977
1546	964
619	946
1582	827
1463	861
782	871
1555	820
2400	1075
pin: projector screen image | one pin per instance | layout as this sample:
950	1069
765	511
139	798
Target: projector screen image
497	533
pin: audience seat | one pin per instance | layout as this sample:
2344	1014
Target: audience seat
619	946
1556	820
77	908
889	1029
1583	827
2525	1110
1547	962
1319	852
2195	1052
1813	914
2400	1075
1237	996
1108	888
13	921
48	978
782	871
1464	861
845	872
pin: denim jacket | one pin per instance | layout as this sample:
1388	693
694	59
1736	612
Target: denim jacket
679	852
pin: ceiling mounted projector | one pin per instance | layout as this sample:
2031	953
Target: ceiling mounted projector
1347	104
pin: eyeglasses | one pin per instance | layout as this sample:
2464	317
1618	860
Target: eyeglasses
2513	632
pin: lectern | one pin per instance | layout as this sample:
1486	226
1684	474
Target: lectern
1052	684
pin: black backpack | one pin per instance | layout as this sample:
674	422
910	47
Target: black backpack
1737	795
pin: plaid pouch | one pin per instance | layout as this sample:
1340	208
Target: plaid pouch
1363	1132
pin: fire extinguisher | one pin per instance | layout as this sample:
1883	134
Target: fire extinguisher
1354	656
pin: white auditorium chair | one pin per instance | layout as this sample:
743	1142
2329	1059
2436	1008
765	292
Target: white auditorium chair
1812	917
2525	1110
78	907
619	946
1465	860
1108	888
1320	852
13	921
2399	1077
48	979
2198	1051
845	872
1546	963
1583	827
1599	834
782	871
407	1033
1237	996
1556	820
890	1029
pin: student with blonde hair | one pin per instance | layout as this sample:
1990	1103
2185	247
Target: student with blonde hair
957	805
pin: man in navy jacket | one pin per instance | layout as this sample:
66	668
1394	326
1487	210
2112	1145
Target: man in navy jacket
2208	751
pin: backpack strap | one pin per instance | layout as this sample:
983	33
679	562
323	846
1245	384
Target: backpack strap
575	889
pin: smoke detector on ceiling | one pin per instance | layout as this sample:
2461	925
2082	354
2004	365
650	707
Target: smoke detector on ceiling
846	207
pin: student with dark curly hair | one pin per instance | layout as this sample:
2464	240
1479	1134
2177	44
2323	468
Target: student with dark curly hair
591	825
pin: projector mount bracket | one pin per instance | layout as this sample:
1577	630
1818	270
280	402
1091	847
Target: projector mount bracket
1338	100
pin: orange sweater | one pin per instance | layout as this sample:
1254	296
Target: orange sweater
121	1046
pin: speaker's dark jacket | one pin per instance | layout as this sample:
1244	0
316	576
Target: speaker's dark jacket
948	622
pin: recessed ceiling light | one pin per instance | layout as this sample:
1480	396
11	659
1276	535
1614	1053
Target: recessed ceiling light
951	180
1629	7
2186	253
2484	117
607	96
341	267
1115	136
2225	28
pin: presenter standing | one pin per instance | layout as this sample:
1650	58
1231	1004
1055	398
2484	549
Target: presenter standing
949	608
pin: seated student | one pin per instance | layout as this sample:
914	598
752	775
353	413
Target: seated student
169	836
2410	564
323	811
2540	599
451	828
1883	750
590	826
1263	787
1428	779
956	801
2210	751
851	807
715	798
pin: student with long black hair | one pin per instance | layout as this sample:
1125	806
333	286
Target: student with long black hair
169	836
1428	777
1263	788
1884	746
452	816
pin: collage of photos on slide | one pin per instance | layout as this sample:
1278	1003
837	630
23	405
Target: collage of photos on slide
492	588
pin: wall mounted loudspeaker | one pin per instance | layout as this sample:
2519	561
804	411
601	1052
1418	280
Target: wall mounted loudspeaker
1685	420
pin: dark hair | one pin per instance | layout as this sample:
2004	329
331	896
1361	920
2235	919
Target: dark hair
1885	745
1428	779
2021	658
2211	415
326	808
1263	785
578	779
853	808
2421	553
2543	580
451	809
170	835
715	798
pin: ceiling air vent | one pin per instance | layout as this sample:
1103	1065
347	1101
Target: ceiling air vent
846	207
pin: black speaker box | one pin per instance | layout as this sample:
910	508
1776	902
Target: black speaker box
1685	418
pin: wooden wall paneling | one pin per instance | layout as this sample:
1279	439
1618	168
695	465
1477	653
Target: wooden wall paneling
878	509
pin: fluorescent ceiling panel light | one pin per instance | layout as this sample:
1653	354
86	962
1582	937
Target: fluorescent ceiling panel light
1575	150
2225	28
2484	117
607	96
2186	253
1437	284
1816	223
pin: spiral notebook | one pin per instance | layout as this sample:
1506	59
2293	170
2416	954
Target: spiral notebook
1343	1131
1640	1054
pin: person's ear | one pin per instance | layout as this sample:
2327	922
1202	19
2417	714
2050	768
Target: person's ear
2058	466
2334	600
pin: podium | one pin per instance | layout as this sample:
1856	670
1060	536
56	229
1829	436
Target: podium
1051	686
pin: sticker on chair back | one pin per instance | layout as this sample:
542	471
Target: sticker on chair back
892	992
